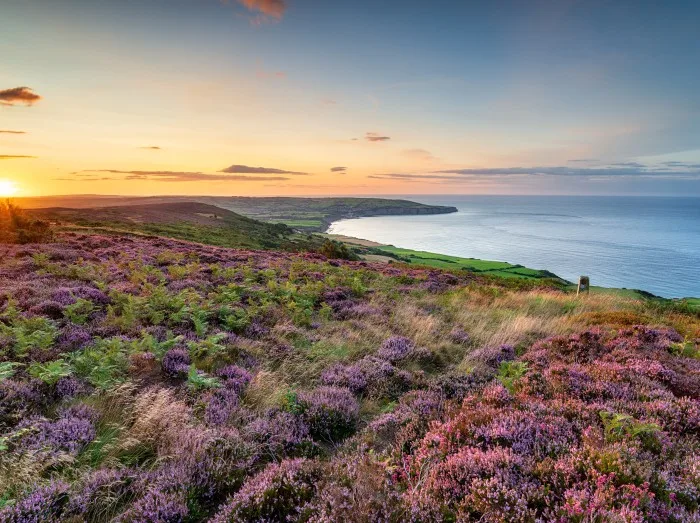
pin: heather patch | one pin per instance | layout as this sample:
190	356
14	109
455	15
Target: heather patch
157	380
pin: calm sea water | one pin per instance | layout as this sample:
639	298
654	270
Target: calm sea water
634	242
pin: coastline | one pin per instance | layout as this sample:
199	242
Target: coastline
369	252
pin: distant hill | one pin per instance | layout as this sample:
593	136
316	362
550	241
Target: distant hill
307	214
191	221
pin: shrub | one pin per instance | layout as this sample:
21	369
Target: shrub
330	412
176	363
510	372
51	371
7	369
281	492
197	380
234	378
43	504
16	227
396	349
157	506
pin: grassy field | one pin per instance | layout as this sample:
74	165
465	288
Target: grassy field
441	261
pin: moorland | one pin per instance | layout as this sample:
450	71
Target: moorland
148	375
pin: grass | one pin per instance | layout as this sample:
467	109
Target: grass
442	261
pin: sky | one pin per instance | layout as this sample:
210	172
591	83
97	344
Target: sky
321	97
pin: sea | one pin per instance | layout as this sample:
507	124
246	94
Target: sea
648	243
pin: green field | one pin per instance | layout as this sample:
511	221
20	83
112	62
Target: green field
442	261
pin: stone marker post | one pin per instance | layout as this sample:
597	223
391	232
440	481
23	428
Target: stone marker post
584	284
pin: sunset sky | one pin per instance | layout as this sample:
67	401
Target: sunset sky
311	97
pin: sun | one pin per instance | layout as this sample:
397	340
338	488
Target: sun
8	188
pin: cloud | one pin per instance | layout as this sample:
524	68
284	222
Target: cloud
245	169
342	170
273	8
631	170
16	95
420	155
4	131
629	164
417	177
90	179
265	75
620	169
13	157
376	137
179	176
685	165
151	148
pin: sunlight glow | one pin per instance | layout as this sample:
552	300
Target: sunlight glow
8	188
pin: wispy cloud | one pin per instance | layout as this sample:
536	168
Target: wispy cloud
13	157
273	8
151	148
417	177
684	165
185	176
342	170
619	169
17	95
266	75
376	137
5	131
87	179
631	170
245	169
420	155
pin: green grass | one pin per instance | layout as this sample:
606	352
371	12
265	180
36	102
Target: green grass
299	223
693	303
442	261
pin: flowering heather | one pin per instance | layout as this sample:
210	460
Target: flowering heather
396	349
279	433
74	429
234	378
157	507
370	375
41	505
69	387
330	412
282	492
148	379
176	362
73	337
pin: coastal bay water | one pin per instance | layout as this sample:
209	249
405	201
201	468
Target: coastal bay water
649	243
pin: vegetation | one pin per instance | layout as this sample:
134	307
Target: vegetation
17	227
306	214
150	379
189	221
492	268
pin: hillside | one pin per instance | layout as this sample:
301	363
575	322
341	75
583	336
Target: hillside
308	214
148	379
191	221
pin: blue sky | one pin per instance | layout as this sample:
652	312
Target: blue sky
150	96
